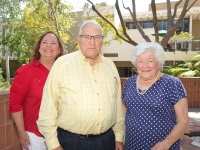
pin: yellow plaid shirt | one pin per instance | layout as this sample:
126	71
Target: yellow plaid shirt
81	98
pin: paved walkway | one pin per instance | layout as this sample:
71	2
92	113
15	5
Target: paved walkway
192	143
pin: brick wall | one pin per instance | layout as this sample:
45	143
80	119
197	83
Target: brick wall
9	139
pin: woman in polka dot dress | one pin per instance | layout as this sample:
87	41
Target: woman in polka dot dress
156	103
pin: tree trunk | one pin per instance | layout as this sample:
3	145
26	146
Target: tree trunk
7	65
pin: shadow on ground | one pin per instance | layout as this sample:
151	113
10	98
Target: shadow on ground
192	143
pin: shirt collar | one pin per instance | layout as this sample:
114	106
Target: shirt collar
36	62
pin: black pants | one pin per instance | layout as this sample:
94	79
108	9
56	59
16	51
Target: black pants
70	141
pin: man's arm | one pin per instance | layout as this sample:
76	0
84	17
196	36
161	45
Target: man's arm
47	122
119	127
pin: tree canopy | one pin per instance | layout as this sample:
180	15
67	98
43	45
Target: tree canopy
24	25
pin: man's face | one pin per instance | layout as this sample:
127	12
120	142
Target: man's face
90	46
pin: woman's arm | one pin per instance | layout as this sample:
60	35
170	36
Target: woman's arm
19	121
181	110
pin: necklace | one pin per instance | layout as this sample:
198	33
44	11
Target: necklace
144	91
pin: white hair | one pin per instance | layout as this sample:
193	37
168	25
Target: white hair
90	22
154	47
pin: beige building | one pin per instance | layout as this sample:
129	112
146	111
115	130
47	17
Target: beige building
121	53
180	51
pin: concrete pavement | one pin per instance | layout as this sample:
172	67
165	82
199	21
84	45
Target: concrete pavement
192	143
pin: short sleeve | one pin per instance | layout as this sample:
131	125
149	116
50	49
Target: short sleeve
178	90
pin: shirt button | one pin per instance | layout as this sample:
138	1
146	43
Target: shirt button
97	93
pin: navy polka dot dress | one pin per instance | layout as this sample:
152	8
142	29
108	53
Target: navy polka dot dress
151	117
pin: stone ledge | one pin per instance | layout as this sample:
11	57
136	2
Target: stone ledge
4	92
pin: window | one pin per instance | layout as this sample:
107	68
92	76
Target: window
147	24
162	25
130	25
125	71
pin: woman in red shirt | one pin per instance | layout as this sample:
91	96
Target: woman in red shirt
26	90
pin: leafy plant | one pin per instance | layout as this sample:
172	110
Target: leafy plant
3	84
189	68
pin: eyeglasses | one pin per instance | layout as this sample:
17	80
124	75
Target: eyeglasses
89	37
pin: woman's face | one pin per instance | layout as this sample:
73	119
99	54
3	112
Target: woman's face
49	47
147	66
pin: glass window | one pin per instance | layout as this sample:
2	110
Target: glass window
165	23
186	25
160	25
147	24
130	25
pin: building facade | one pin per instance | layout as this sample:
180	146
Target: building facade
120	53
181	50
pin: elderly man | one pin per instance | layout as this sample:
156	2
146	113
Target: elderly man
81	106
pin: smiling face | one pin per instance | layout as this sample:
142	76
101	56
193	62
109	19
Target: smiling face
147	66
90	47
49	47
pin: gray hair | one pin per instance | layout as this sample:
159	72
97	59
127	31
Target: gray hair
154	47
90	22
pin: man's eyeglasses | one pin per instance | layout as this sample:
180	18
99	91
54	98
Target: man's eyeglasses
89	37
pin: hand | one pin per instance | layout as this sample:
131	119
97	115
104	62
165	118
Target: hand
119	145
161	146
58	148
24	139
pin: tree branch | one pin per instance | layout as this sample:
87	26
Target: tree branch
122	22
117	33
175	9
191	5
133	16
55	18
155	20
173	29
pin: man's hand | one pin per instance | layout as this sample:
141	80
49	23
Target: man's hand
119	145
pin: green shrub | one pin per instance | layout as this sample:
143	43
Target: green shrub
3	84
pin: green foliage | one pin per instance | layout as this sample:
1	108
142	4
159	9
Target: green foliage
182	36
197	57
166	70
106	27
3	84
23	26
187	69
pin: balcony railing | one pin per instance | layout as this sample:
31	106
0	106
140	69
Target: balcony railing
184	46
